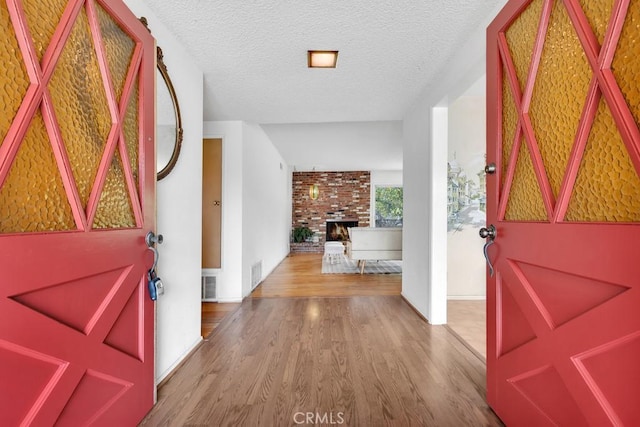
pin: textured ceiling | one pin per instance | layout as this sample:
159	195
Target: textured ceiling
253	54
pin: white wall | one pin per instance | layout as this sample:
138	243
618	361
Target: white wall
179	210
425	178
467	143
266	209
256	205
340	146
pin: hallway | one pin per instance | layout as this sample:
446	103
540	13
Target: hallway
365	360
370	358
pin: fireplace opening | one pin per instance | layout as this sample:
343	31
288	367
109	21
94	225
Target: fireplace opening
337	230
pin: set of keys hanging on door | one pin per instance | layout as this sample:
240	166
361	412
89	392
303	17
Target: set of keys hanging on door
154	283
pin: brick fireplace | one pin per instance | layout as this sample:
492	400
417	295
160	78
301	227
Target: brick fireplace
343	196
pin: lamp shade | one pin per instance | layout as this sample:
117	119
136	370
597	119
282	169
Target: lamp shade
314	191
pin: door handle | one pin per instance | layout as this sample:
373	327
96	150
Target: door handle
490	233
151	239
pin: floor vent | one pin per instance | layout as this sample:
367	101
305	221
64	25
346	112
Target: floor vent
209	292
256	274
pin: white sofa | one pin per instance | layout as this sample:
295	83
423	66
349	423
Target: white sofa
374	243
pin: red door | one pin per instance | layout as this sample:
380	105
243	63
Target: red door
563	308
77	196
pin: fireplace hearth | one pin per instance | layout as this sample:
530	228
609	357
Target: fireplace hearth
337	229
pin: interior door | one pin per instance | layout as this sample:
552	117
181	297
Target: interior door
77	196
211	202
563	313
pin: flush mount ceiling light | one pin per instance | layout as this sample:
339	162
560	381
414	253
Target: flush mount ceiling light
322	58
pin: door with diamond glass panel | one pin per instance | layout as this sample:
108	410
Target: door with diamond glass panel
77	196
563	304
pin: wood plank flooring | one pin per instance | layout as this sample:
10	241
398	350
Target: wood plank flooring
368	360
213	313
467	318
299	275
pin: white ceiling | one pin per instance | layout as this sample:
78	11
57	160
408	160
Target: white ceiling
253	55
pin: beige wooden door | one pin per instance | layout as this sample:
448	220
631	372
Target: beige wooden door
211	202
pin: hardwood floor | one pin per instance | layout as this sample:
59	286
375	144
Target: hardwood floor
367	360
343	349
299	275
468	320
213	313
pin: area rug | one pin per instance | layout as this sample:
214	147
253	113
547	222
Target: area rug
348	266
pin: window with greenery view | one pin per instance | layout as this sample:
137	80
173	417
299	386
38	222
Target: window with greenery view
388	207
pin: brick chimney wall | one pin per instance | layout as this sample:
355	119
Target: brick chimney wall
343	195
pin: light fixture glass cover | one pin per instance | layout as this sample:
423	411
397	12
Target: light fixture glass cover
322	58
314	191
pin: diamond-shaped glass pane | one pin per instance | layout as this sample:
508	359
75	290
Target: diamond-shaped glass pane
43	16
607	187
598	13
559	94
33	197
14	80
81	105
525	199
626	62
119	49
114	209
521	37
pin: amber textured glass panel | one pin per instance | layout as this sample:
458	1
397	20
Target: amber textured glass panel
607	188
509	124
119	47
33	197
81	106
521	37
43	17
525	199
559	94
114	209
626	62
131	130
598	13
14	80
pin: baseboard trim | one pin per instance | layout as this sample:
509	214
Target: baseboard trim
167	374
420	315
466	297
223	300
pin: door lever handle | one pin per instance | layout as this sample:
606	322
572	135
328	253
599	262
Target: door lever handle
151	239
490	233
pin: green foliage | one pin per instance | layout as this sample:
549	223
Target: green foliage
389	202
300	234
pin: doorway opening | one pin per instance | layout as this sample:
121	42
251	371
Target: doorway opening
466	214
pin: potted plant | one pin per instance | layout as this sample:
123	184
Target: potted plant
301	234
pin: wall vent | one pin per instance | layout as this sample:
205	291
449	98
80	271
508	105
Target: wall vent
256	274
209	292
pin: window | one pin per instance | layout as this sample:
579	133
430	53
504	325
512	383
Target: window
388	208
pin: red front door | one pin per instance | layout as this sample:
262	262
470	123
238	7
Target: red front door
77	196
563	307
